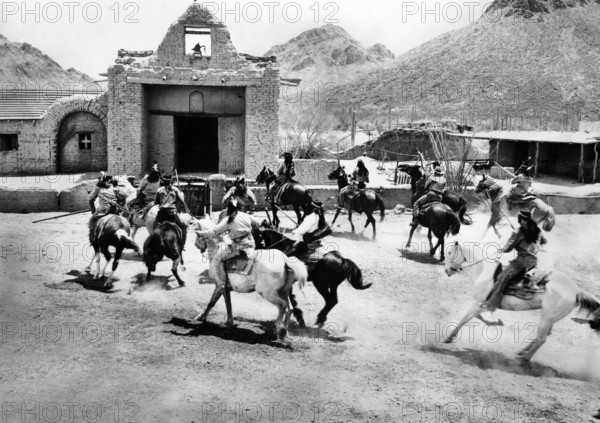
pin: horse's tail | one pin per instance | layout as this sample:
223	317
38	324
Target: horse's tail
588	303
354	275
454	227
465	219
381	206
127	241
299	269
549	221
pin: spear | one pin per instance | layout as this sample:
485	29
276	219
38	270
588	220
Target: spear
64	215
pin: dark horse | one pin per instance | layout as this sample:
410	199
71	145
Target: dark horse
326	273
295	194
164	241
106	231
449	197
366	201
440	220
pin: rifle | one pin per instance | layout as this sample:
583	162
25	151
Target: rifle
63	215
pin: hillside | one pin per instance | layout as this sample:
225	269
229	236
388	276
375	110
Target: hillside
22	64
528	58
327	53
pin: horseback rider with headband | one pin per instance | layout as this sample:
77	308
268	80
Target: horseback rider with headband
526	241
167	198
241	192
239	240
107	194
146	192
434	187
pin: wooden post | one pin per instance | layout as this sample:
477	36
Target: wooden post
595	162
581	175
537	156
353	128
498	151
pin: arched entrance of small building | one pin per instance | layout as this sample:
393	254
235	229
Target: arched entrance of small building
82	144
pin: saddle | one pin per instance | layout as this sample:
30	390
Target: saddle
526	284
142	211
241	265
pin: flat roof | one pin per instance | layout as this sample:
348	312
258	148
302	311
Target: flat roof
32	104
542	136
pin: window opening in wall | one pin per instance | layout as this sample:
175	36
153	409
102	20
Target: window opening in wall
85	141
197	42
9	142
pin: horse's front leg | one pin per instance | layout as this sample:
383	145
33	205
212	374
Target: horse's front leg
337	213
215	297
350	220
275	218
473	311
299	216
174	270
412	231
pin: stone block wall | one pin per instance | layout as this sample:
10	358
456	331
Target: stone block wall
72	159
35	149
172	53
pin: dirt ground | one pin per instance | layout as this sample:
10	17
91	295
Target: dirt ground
74	353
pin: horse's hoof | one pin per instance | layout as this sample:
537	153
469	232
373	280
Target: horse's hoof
449	340
319	324
181	283
282	333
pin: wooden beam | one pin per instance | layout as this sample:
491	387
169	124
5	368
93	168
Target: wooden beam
498	151
581	165
537	156
595	162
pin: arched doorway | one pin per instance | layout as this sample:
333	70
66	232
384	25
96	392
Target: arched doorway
82	144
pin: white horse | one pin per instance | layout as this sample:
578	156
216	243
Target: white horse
562	295
272	276
147	221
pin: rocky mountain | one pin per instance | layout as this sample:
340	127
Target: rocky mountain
537	59
327	53
23	64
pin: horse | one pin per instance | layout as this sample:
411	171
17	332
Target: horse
365	201
451	198
498	192
293	194
164	241
106	231
561	296
272	276
439	219
142	221
326	273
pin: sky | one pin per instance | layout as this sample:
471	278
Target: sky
86	35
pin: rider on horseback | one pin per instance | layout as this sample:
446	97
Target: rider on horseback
285	172
526	241
146	192
360	175
242	193
434	187
107	194
167	198
239	240
521	191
